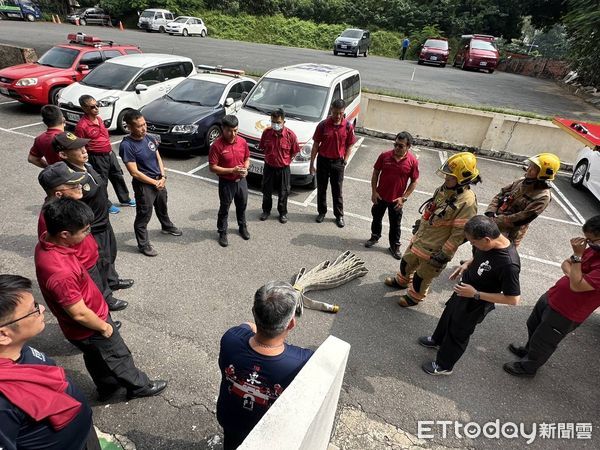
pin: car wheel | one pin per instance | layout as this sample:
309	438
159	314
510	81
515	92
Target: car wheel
419	62
30	17
579	174
490	70
170	34
335	53
203	33
185	32
366	52
82	22
161	29
121	124
443	65
355	54
148	30
53	95
463	66
212	135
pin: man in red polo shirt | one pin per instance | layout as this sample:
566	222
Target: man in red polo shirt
99	149
389	189
42	154
280	145
565	306
79	306
333	140
229	158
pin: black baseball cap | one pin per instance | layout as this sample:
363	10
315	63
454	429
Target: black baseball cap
68	141
57	174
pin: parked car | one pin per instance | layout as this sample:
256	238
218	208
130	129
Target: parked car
155	20
353	41
125	83
188	117
20	9
477	51
39	83
187	26
90	16
304	92
434	51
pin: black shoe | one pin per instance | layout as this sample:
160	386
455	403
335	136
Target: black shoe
427	342
264	216
149	251
114	304
320	218
154	388
283	218
395	252
117	324
244	233
340	222
432	368
372	241
172	231
223	240
519	351
517	370
124	283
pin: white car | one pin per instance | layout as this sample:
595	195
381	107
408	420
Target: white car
586	172
125	83
187	26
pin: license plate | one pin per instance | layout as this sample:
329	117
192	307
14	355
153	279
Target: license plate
343	46
255	169
4	91
72	117
483	63
433	58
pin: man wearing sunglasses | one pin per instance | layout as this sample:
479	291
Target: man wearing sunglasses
99	148
39	406
565	306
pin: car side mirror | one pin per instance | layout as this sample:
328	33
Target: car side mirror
466	46
82	67
244	95
140	88
228	101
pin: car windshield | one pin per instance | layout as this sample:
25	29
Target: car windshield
79	11
482	45
434	43
205	93
147	14
58	57
299	101
110	76
181	20
356	34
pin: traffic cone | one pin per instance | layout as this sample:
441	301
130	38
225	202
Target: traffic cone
121	27
77	21
58	19
53	19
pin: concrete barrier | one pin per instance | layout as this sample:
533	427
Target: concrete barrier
11	55
302	418
493	134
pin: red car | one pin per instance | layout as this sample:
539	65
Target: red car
39	83
435	51
477	51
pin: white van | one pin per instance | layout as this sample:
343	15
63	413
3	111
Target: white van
305	93
155	20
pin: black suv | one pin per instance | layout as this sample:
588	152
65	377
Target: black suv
88	16
353	41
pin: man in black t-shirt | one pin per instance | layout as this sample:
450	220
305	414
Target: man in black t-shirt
491	276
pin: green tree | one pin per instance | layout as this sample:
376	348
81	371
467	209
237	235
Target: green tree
583	30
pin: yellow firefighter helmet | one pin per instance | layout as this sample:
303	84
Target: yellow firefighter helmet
548	164
462	166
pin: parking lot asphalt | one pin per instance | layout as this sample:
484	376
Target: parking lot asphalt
184	299
500	89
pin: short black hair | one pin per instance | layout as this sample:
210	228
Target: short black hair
66	214
592	226
12	288
338	104
405	136
52	116
278	113
230	121
479	227
84	99
131	116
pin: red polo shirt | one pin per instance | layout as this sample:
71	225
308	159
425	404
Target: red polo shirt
578	306
333	140
279	147
228	156
394	175
87	250
96	132
42	146
63	282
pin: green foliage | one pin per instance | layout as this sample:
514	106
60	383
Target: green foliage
583	29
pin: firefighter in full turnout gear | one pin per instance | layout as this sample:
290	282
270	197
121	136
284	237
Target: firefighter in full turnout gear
439	232
519	203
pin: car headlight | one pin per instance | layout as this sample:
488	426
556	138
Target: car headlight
354	42
107	101
305	152
27	82
184	129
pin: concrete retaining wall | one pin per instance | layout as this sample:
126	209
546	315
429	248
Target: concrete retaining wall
302	418
11	55
493	134
536	67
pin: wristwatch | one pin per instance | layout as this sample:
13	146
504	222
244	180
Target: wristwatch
477	296
404	199
575	259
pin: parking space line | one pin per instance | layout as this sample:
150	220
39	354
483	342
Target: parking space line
26	126
199	168
566	200
17	133
9	102
443	154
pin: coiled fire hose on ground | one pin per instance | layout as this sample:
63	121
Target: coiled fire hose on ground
327	275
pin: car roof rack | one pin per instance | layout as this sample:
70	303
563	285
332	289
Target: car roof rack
220	69
83	39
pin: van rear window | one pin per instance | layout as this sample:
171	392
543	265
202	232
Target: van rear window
482	45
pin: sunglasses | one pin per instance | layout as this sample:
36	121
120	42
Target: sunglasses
94	106
35	311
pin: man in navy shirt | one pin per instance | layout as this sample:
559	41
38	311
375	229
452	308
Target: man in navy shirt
139	152
39	406
255	362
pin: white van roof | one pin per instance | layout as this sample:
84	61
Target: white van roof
143	60
158	10
310	73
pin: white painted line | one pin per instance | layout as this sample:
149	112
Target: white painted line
566	200
310	197
199	168
355	148
9	102
413	74
26	126
540	260
443	154
565	209
17	133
